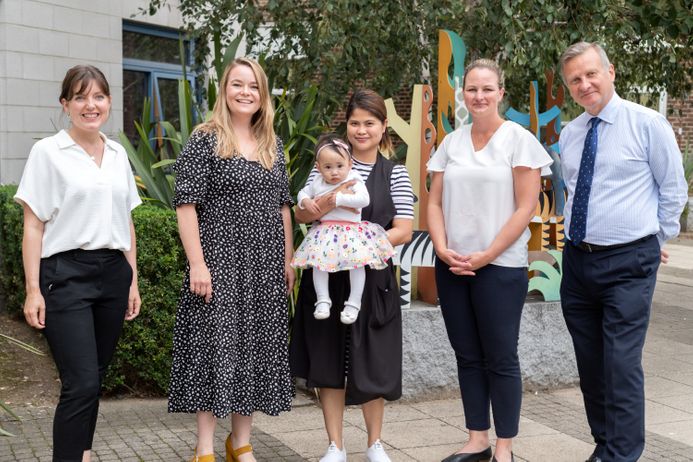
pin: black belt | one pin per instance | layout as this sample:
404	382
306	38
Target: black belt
590	248
93	253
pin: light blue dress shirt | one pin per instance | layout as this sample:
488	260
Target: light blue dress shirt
638	186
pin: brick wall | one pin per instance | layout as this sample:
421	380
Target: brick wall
681	118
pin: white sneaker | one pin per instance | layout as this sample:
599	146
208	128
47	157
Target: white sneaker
376	453
334	454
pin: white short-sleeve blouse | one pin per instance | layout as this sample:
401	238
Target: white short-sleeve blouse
83	206
478	190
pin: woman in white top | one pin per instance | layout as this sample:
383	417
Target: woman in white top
79	254
484	189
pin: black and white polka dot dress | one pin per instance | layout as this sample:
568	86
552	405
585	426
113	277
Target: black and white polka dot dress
231	355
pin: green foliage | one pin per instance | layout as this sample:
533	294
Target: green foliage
383	45
343	44
158	147
11	270
295	122
346	44
143	358
647	41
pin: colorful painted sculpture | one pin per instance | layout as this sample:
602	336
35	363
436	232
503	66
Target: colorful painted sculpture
419	134
451	49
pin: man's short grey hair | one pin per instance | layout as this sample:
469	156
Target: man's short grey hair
576	49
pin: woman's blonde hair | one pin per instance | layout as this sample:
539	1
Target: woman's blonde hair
261	122
489	64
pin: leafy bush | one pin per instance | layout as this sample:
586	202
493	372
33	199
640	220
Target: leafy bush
143	358
11	269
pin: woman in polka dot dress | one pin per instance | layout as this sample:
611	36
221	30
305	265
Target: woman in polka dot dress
230	345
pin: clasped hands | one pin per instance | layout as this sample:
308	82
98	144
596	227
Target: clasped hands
463	265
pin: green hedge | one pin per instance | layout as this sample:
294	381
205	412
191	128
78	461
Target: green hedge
143	359
11	270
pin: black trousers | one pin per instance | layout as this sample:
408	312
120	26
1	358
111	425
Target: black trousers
482	315
86	294
606	298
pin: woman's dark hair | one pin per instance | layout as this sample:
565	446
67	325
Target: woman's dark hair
334	142
78	79
371	102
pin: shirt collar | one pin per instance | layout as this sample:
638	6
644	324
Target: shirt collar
65	140
608	112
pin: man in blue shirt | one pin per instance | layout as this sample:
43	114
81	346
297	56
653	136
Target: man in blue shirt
626	190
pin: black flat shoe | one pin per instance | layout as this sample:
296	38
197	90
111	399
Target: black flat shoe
512	458
483	456
594	457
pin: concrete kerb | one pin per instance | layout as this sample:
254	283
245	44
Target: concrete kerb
429	369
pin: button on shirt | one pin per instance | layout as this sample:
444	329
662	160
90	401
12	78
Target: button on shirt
638	186
83	206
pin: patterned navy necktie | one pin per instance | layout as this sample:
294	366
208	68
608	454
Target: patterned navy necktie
578	214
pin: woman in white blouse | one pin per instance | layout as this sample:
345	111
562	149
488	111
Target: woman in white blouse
79	256
484	190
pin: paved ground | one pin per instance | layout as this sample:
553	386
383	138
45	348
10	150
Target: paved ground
553	426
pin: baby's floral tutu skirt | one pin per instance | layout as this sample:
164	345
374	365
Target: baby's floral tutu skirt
339	245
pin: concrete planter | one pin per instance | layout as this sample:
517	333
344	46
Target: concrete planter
429	368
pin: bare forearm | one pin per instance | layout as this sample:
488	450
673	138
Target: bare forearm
189	230
436	226
31	253
34	305
325	203
401	231
288	234
305	216
527	184
510	232
131	255
434	215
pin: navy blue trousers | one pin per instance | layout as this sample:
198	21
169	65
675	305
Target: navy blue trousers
606	298
86	294
482	316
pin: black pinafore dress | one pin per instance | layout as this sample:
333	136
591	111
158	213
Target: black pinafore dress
367	355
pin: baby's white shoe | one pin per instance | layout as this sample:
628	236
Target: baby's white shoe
376	453
322	309
334	454
350	313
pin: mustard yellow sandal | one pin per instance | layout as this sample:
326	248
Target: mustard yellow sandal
205	458
232	454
